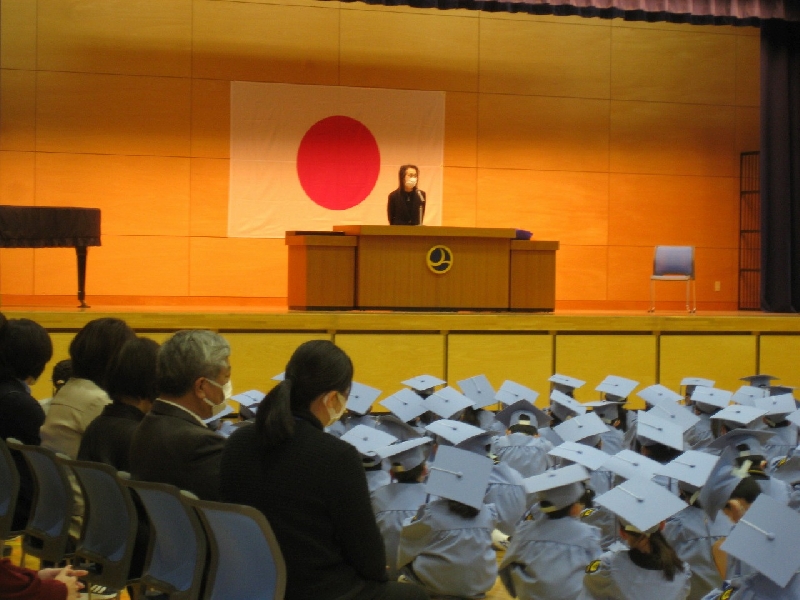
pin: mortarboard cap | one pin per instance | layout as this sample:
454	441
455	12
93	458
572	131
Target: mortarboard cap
460	475
405	404
563	407
446	402
695	381
396	427
591	458
659	394
760	381
788	470
739	415
558	487
766	539
630	465
565	383
367	439
710	399
616	388
754	439
641	504
720	483
454	432
407	455
279	377
520	412
777	406
676	414
582	428
607	411
747	395
511	391
653	429
422	383
692	467
361	398
249	398
794	417
479	390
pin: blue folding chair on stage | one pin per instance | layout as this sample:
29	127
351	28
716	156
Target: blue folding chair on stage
674	263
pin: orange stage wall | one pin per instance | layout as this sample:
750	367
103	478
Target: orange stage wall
608	136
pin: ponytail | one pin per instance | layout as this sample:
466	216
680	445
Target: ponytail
665	555
274	420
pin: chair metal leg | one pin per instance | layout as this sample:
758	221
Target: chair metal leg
694	296
652	296
689	310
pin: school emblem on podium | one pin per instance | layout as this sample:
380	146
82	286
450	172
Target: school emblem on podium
440	259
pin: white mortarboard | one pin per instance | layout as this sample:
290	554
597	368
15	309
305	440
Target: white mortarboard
454	432
616	388
652	428
396	427
766	539
692	467
591	458
630	465
775	406
788	470
446	402
709	399
367	439
747	395
460	475
279	377
524	413
423	382
479	390
581	428
405	404
739	414
361	398
406	455
642	504
794	417
760	381
720	484
695	381
563	407
511	391
607	411
677	414
754	439
559	487
249	398
565	383
659	394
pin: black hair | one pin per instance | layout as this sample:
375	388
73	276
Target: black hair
25	347
133	373
95	347
316	367
663	555
747	489
660	453
462	510
526	429
401	173
622	414
410	476
556	514
62	371
470	416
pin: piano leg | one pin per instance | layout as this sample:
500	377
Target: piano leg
82	252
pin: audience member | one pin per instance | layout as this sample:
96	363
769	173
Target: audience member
62	371
172	444
19	583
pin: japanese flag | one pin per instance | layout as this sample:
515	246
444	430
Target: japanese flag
307	157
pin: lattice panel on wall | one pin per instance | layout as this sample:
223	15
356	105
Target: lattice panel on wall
749	232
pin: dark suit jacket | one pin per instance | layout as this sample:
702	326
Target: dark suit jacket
406	208
172	446
107	439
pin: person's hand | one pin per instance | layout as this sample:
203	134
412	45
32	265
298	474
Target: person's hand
69	577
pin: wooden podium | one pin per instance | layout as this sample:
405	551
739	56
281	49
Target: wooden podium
419	268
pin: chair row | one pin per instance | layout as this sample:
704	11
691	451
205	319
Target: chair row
147	535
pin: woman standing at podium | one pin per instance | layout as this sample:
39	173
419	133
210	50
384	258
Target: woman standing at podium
407	203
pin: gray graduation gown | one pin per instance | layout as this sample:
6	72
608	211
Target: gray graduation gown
614	576
524	453
507	492
393	504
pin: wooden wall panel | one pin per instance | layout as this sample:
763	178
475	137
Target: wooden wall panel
112	114
459	205
18	109
534	132
461	129
663	66
383	360
593	357
748	129
526	359
416	50
128	37
649	210
748	70
17	178
244	267
257	357
723	358
211	118
125	188
556	205
545	59
673	139
210	178
242	41
18	35
16	271
778	356
582	273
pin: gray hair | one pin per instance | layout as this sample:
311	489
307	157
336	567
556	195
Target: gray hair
187	356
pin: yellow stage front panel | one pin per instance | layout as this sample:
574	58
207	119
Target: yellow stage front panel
723	358
778	357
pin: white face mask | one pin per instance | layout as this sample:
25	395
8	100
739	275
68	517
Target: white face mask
412	181
227	391
335	415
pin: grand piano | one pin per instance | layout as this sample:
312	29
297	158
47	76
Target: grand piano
52	227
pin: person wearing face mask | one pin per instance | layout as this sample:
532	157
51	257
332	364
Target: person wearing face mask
407	203
311	485
172	444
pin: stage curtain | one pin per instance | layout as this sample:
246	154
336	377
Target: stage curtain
696	12
780	166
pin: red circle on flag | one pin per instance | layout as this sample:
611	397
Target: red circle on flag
338	162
